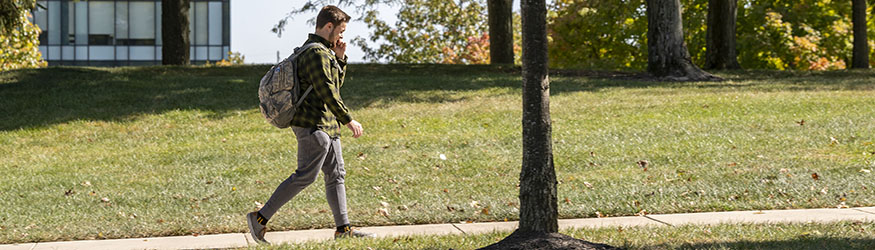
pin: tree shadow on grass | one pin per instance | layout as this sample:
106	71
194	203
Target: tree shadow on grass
42	97
802	243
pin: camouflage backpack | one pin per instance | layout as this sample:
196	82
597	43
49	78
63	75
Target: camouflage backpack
278	90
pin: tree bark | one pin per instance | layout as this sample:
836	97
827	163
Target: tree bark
174	32
538	205
668	57
500	31
720	50
861	41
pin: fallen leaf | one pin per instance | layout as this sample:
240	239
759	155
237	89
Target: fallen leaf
863	170
86	183
383	212
195	234
587	184
403	208
759	212
815	176
824	190
567	201
384	204
784	170
446	190
210	182
104	199
377	188
258	205
733	164
643	164
485	211
362	156
475	204
450	208
833	141
801	123
643	212
367	169
599	214
385	147
842	205
69	192
259	182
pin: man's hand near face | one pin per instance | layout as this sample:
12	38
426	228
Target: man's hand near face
339	49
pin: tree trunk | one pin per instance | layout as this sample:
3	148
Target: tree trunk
861	41
174	32
500	31
668	57
720	52
538	205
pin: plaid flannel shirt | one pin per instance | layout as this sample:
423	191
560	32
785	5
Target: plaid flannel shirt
322	107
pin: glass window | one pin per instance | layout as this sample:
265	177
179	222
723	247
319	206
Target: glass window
67	53
142	23
201	53
54	24
41	19
225	51
121	23
158	23
68	29
81	53
81	23
215	23
145	53
201	23
226	23
215	53
43	50
54	52
101	53
121	53
100	23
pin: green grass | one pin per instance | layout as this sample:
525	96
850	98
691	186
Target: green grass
178	151
842	235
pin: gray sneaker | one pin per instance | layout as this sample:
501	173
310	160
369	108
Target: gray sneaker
354	233
256	230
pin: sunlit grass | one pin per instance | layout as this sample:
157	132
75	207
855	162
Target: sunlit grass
177	151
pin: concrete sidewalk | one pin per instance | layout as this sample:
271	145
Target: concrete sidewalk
243	240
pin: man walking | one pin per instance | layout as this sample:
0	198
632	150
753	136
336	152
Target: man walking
316	126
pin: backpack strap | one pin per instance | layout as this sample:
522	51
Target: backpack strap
298	51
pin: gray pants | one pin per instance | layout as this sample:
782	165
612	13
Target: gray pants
316	150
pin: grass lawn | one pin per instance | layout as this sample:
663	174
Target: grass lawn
92	153
842	235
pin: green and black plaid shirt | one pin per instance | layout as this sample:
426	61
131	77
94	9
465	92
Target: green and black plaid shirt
322	108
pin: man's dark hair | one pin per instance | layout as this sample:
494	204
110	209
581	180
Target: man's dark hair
331	14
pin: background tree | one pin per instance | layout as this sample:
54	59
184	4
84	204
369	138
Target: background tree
667	53
175	32
861	41
464	30
500	14
19	38
720	38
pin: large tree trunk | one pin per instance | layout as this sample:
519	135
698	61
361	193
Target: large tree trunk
861	41
174	32
720	51
538	205
668	57
500	31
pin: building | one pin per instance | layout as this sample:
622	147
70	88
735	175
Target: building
126	32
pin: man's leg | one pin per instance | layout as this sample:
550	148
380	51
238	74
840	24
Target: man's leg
335	190
313	147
